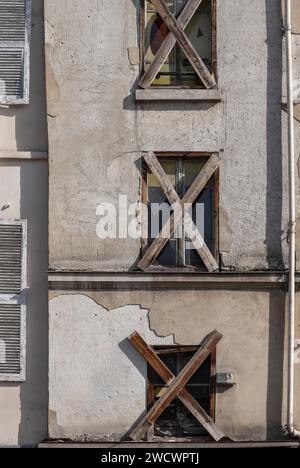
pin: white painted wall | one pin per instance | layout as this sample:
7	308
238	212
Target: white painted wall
24	194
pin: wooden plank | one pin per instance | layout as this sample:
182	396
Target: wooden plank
189	198
167	46
214	38
213	383
216	228
178	349
180	231
184	42
13	154
144	193
172	196
176	385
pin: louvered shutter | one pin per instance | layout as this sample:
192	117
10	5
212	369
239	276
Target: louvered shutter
15	26
13	245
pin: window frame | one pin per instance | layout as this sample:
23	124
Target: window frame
142	27
15	100
18	299
215	222
150	394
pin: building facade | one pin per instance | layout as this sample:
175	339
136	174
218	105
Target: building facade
129	120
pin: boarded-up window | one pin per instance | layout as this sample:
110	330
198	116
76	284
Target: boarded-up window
176	67
15	25
182	170
12	299
176	420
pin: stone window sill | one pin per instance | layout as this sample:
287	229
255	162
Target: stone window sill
175	94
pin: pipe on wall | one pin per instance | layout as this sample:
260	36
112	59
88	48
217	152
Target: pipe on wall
292	223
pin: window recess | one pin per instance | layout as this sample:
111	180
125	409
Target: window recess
15	27
178	43
188	180
13	241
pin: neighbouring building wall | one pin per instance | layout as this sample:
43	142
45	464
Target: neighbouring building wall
96	137
24	195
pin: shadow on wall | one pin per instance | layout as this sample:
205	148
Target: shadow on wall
275	365
31	120
33	425
274	137
127	348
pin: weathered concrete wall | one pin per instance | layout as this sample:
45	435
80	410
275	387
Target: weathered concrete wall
92	138
23	195
98	382
96	136
97	132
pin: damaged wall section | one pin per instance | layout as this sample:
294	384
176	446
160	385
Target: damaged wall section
97	380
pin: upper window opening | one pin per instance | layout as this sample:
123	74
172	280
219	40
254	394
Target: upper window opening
176	70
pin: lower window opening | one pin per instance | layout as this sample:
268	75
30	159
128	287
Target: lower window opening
176	421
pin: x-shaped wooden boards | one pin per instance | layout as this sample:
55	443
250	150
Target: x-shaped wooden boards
182	214
176	385
176	28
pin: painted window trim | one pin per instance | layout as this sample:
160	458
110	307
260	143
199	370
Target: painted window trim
15	100
142	27
19	299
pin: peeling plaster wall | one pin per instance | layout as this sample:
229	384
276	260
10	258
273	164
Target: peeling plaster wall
97	131
97	381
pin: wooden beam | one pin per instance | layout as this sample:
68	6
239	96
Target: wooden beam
172	196
184	42
170	226
176	385
15	154
186	398
168	44
177	349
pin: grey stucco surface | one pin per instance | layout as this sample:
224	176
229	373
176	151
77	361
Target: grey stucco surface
97	131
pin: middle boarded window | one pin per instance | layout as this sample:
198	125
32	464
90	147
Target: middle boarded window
182	170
